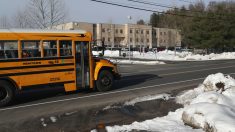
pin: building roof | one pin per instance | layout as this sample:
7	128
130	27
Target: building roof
41	31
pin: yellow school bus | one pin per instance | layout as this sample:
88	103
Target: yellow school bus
31	58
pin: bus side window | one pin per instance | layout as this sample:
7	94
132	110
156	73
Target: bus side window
65	48
30	49
2	53
50	48
8	49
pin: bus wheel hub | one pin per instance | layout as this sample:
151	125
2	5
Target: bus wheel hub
105	81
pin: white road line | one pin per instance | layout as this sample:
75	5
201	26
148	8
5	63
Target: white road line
195	70
114	92
127	73
177	72
124	66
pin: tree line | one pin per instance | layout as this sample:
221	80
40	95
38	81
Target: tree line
37	14
210	27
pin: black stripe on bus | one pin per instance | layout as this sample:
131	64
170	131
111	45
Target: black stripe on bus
39	86
36	66
36	72
36	59
52	83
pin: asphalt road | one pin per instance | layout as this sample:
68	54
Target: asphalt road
137	80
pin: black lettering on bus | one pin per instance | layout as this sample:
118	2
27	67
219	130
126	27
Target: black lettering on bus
55	79
32	63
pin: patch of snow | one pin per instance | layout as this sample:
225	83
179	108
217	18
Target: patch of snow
70	113
209	84
111	107
141	99
147	98
171	55
205	107
170	123
43	122
53	119
136	62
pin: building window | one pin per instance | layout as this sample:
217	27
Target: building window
137	31
116	30
108	39
121	31
142	40
147	40
160	33
164	41
130	31
131	40
142	31
154	33
164	33
137	40
147	31
103	30
103	39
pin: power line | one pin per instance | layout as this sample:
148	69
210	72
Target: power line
151	3
170	7
150	10
156	4
187	1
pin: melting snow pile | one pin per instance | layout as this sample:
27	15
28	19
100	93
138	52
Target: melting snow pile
210	107
171	55
136	62
141	99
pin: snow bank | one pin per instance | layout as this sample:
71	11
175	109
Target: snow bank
210	107
136	62
170	123
209	84
172	56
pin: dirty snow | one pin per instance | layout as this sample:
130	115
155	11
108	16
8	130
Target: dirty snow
171	55
141	99
117	61
147	98
53	119
205	107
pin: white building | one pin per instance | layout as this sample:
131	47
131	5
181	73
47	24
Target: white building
117	35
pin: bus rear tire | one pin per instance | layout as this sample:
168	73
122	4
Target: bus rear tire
6	93
104	81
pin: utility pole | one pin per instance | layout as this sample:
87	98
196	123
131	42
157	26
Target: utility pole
129	17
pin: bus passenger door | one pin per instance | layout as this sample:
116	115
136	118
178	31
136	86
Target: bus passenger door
82	64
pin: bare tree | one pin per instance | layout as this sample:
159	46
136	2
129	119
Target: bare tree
4	22
57	12
41	14
21	20
38	11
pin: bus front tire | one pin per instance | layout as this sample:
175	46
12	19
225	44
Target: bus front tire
104	81
6	93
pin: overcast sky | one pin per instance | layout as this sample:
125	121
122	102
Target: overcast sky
88	11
